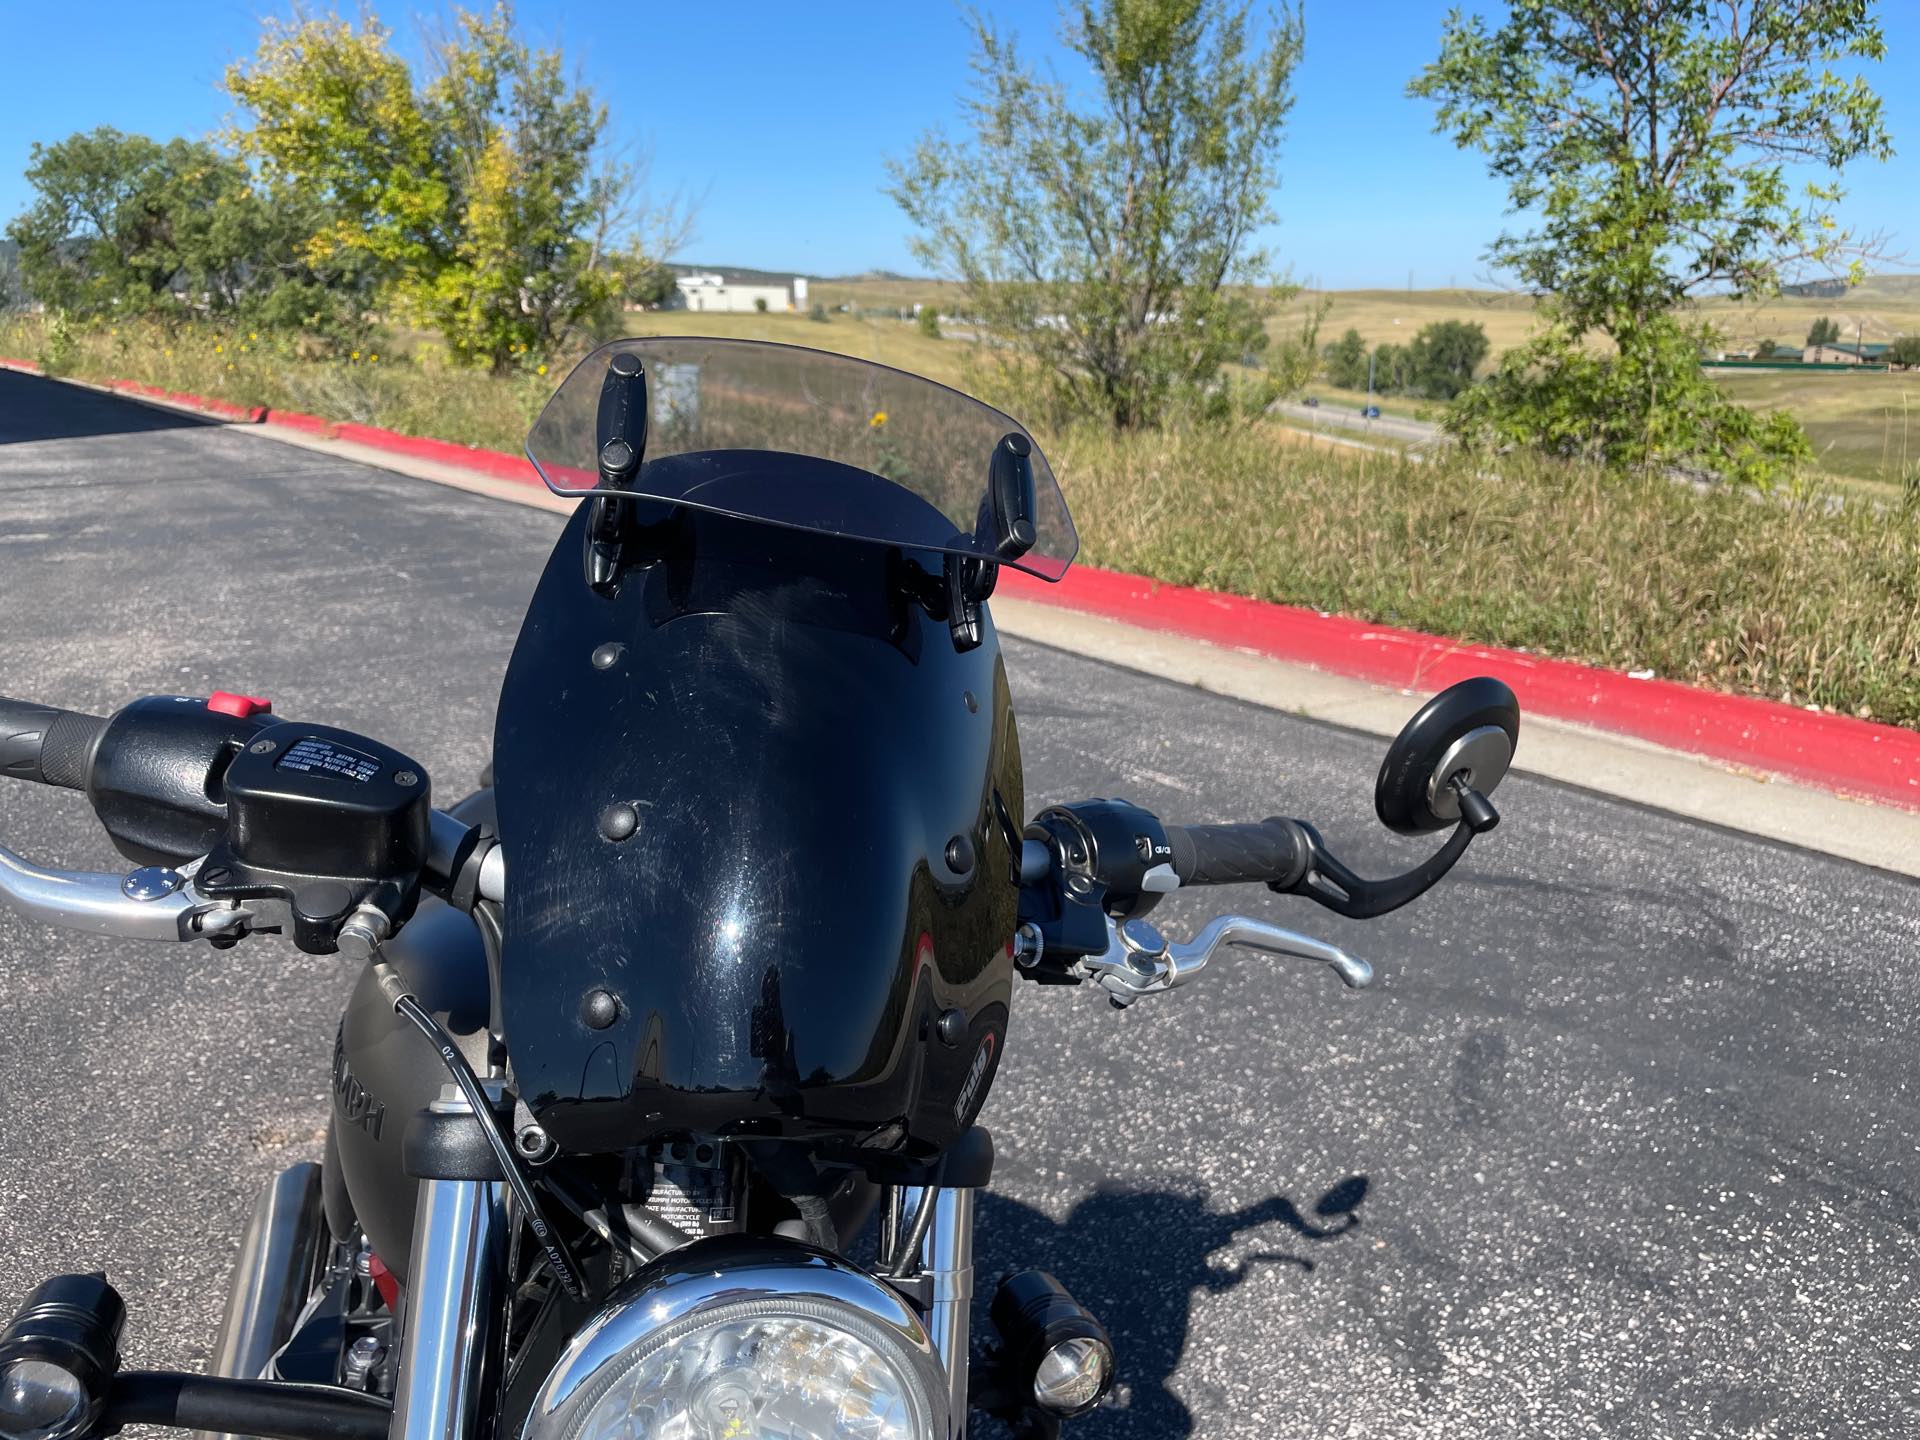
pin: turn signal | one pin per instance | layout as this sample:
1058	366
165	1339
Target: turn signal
58	1357
1053	1338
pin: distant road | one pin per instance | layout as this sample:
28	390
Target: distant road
1388	428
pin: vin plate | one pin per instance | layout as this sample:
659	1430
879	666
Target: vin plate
322	757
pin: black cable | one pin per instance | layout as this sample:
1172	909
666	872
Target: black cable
564	1265
275	1410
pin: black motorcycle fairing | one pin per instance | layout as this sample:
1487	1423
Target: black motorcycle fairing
754	793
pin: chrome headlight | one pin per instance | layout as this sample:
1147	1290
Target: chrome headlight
733	1339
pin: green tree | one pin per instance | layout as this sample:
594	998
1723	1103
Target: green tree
1393	372
1824	331
1904	351
1344	362
928	321
1653	141
476	196
107	229
1765	350
124	225
1444	355
1101	231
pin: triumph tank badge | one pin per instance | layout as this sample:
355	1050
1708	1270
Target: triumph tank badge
356	1104
976	1077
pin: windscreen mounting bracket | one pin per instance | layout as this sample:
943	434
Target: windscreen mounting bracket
620	434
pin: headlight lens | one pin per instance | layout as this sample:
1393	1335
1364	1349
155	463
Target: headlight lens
755	1375
738	1338
39	1400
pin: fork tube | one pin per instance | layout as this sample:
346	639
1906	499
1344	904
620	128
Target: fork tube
947	1257
456	1232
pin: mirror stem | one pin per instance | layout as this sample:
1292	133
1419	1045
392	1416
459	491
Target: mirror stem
1475	809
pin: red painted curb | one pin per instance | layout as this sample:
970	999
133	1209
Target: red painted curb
296	420
12	364
499	465
1833	752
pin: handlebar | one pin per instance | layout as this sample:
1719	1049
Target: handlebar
45	745
1274	851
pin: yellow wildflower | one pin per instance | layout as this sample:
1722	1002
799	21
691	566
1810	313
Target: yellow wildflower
879	419
354	356
252	336
219	349
373	359
540	370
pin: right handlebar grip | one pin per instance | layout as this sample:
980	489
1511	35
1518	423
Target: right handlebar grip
1267	852
46	745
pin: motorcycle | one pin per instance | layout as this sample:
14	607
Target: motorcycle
654	1105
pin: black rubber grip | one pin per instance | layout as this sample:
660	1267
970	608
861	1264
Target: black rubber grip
46	745
1269	852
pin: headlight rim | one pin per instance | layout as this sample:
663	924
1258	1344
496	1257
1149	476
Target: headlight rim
733	1277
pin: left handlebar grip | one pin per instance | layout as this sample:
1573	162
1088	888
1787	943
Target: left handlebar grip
46	745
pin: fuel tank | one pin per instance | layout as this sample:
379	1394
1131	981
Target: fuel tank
384	1073
761	815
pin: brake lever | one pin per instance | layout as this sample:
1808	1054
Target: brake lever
1139	961
153	902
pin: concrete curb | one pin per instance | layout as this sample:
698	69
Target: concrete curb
1835	753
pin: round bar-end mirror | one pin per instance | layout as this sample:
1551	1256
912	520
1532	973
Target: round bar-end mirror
1448	759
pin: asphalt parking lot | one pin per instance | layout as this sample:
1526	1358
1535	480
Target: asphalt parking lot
1623	1143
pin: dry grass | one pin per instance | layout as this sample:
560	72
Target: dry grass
1797	601
1863	427
1794	602
891	342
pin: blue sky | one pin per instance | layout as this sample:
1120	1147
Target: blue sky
787	136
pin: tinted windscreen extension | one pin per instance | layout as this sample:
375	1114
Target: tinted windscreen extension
716	410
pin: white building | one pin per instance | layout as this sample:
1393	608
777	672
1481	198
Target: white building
716	292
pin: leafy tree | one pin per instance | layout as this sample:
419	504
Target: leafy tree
928	321
1560	396
1444	355
475	196
122	224
109	225
1653	142
1765	350
1824	331
1097	230
13	290
1393	370
1904	351
1345	361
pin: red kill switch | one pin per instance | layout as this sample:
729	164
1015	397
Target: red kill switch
240	706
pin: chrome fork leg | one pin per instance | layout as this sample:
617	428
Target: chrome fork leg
458	1226
946	1255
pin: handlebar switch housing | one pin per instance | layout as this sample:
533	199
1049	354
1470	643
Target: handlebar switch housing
1115	844
156	773
328	821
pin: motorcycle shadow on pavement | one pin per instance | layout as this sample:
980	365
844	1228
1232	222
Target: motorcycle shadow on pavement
1140	1260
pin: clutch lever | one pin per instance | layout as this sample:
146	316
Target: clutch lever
1140	961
